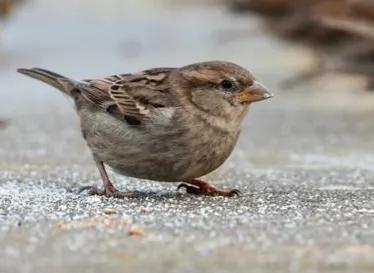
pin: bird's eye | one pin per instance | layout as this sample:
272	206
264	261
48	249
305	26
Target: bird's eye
227	85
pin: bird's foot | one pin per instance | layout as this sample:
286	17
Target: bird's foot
199	187
107	192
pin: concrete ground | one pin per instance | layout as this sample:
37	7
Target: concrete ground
305	160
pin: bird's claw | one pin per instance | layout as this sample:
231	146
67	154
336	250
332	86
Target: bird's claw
189	188
235	192
208	190
104	192
85	188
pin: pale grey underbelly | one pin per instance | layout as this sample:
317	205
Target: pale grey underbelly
161	154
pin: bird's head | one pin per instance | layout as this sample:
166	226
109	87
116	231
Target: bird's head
221	89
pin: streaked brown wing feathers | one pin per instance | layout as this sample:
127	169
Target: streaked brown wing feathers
130	94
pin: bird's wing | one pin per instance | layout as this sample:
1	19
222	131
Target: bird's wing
131	95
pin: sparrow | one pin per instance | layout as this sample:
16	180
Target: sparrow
162	124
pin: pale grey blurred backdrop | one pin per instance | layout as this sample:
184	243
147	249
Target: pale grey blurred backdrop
304	162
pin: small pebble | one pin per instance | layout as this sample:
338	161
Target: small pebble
110	211
135	231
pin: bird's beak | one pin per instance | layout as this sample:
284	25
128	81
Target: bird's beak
256	92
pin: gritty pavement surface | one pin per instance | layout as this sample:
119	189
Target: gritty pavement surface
305	161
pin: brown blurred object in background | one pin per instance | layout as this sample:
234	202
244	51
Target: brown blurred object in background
267	7
362	8
5	7
341	31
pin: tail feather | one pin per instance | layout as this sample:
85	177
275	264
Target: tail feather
60	82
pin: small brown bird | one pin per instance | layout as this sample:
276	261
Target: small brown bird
163	124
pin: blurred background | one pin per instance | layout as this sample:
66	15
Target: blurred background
316	56
312	144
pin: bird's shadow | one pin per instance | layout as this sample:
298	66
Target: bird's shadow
142	195
139	195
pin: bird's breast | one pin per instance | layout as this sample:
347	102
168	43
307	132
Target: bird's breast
175	152
208	150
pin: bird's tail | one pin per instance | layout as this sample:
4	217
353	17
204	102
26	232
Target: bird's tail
62	83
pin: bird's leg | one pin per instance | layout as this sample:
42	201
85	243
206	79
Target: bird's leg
109	190
108	186
199	187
